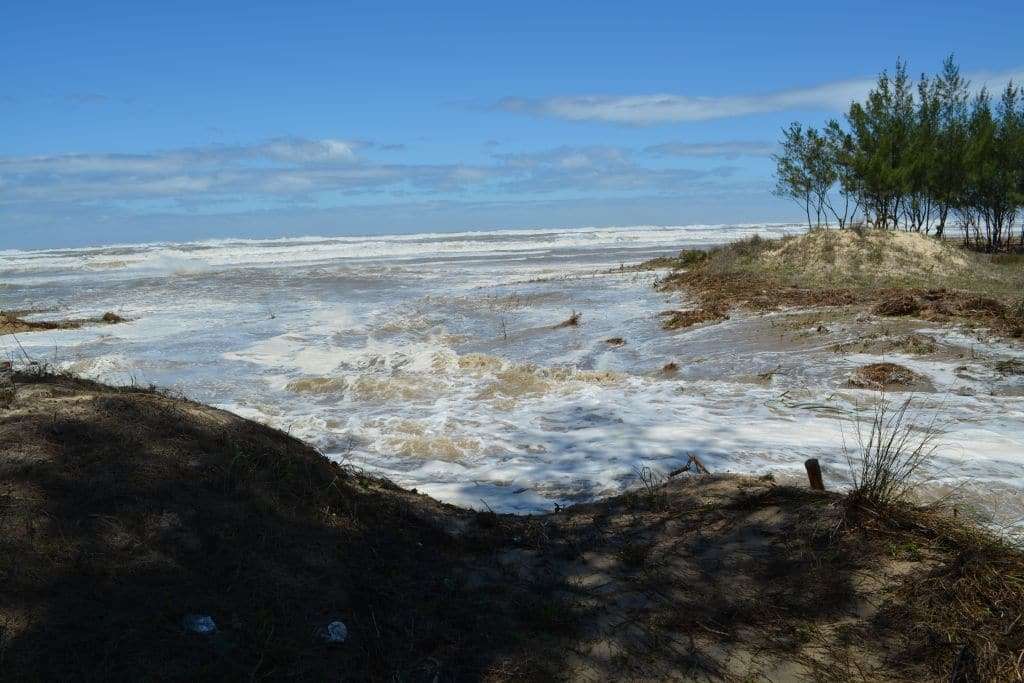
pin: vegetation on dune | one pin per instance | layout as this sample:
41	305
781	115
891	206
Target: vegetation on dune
895	273
921	161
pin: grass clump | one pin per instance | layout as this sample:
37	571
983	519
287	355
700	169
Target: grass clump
892	449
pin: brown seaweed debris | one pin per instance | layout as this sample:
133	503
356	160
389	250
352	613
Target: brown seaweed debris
615	341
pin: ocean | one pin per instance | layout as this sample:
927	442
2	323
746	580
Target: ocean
437	360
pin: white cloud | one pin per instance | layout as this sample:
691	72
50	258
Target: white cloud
568	158
85	98
666	108
286	151
729	149
596	168
673	108
307	151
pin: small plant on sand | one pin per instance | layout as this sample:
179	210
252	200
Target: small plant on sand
892	448
648	494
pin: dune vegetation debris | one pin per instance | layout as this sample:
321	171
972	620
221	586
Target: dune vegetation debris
884	376
677	320
901	304
880	343
1011	366
572	321
13	322
615	341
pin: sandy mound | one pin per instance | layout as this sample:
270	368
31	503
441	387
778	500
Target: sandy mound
843	254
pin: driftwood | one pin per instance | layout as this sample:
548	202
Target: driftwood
694	462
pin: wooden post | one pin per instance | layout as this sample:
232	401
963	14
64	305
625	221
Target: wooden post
814	474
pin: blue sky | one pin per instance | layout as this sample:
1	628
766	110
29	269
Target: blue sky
124	122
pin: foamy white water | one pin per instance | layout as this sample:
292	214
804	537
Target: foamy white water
433	359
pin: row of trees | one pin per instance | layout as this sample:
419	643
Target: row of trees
921	157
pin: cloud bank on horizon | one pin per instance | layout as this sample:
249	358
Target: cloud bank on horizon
298	169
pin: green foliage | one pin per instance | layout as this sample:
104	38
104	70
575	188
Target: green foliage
914	157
